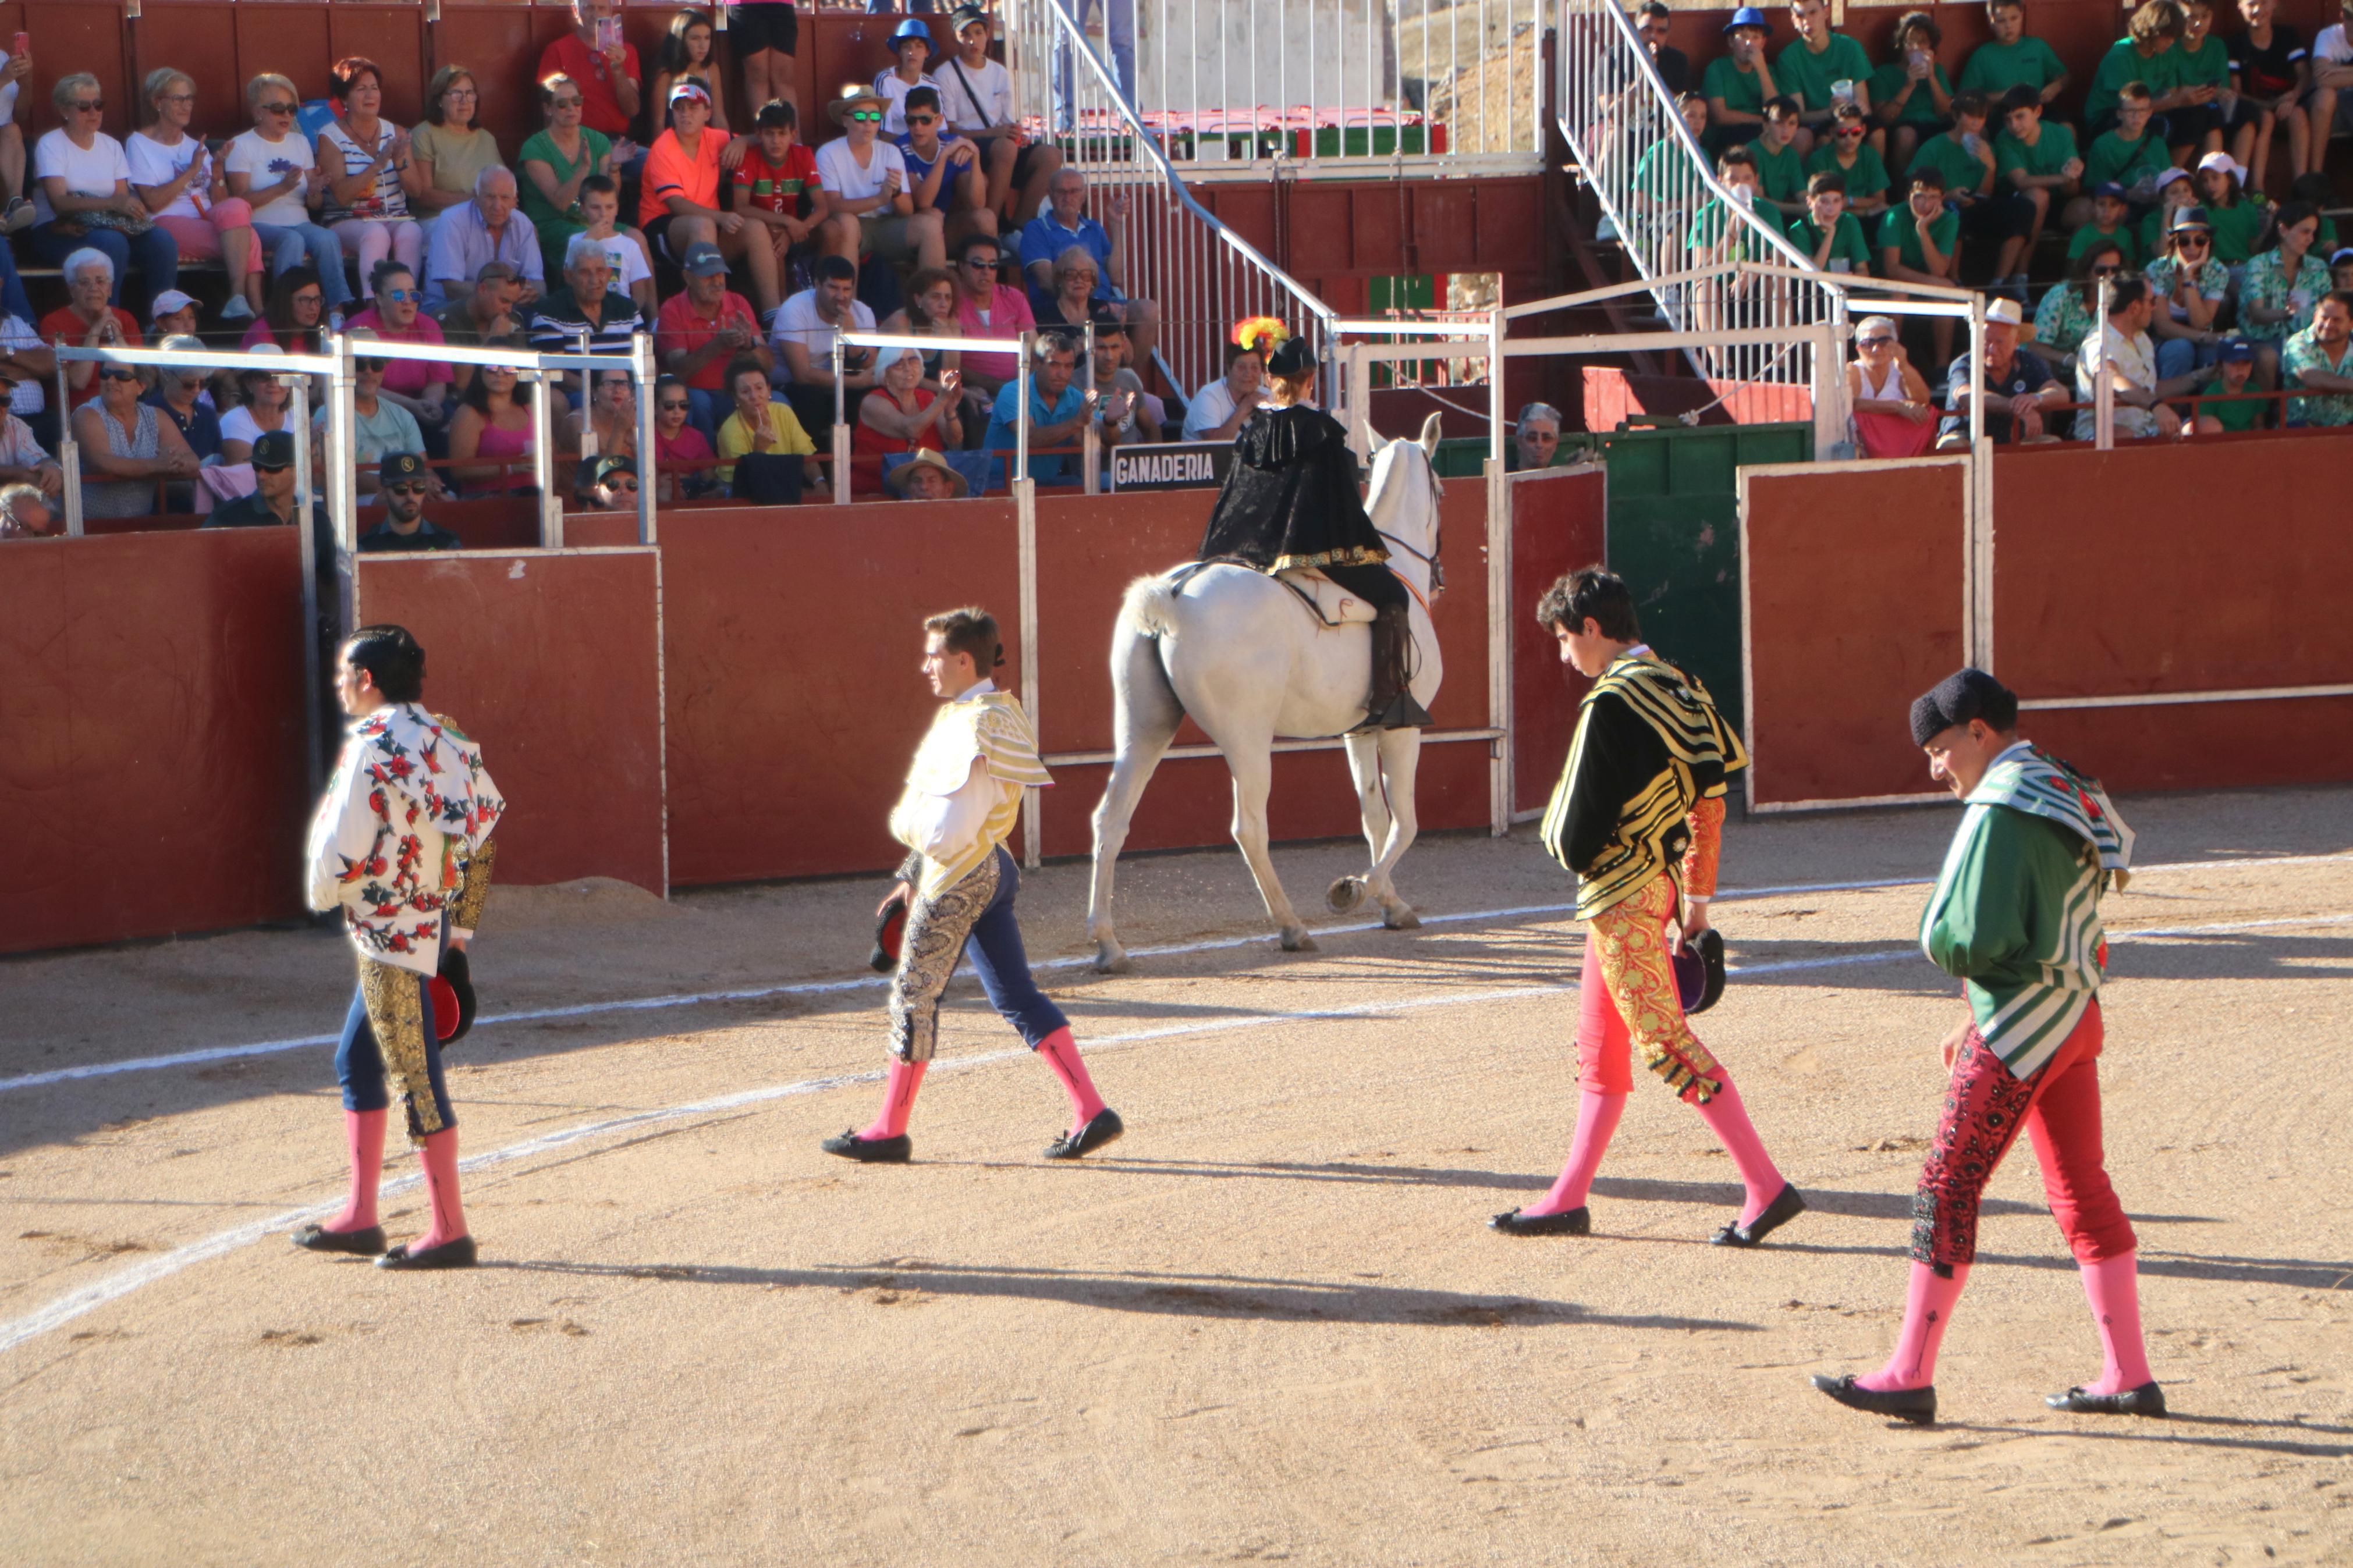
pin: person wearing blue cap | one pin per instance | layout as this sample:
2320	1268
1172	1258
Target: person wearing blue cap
1637	815
1739	83
2234	367
911	43
2015	917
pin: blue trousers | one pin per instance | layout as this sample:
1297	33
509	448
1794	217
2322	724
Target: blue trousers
157	250
291	243
416	1053
974	917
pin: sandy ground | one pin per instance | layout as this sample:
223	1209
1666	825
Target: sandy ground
1270	1324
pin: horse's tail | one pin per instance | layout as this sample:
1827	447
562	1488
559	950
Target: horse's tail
1149	610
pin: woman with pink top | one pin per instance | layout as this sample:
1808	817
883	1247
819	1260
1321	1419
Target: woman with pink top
183	187
493	425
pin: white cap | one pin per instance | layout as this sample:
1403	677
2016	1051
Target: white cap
2004	311
2223	160
2171	175
169	301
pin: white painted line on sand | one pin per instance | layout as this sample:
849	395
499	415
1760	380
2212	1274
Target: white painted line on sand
824	988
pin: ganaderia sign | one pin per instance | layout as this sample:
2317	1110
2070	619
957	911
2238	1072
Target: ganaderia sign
1189	466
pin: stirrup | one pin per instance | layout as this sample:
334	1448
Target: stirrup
1401	713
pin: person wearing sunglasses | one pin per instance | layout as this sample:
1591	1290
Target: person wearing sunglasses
397	315
271	168
270	502
407	483
181	182
380	426
612	484
82	195
179	396
126	447
2190	286
943	169
1888	399
987	308
680	448
1846	153
868	193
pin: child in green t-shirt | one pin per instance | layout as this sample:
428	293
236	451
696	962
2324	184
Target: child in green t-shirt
2128	154
2012	59
2202	80
1738	82
2234	366
2144	54
1847	152
1920	242
2111	224
1780	167
1911	94
2037	162
1814	67
1829	234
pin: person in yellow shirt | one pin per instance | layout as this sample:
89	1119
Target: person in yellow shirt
757	439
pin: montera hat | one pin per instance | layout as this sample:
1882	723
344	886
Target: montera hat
1964	695
1291	357
453	998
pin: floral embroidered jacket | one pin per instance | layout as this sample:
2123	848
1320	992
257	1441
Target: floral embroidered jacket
408	812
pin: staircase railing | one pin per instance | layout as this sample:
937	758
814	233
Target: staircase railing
1200	276
1662	195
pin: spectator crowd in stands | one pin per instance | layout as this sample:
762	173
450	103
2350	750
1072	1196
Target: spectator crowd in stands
753	249
2160	195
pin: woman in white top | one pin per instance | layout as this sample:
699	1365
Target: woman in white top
82	194
1219	410
272	167
182	184
264	408
361	158
1893	416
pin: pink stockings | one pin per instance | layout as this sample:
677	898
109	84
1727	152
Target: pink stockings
364	1132
1060	1053
363	1129
2111	1285
1596	1120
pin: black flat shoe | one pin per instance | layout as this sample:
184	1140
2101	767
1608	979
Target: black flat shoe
1914	1405
365	1243
2146	1400
872	1151
1784	1208
1578	1220
1102	1127
457	1254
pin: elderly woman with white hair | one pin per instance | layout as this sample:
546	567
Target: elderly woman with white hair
272	167
183	184
1888	398
82	195
87	321
903	415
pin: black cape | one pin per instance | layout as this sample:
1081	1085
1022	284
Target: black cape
1290	496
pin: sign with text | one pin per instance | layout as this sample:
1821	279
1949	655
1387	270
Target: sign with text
1184	465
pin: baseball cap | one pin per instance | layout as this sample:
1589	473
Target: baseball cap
273	449
2341	257
169	301
966	15
703	261
397	466
2223	160
2110	189
2171	175
688	88
607	467
2235	351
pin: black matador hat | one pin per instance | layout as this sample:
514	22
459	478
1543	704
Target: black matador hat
453	998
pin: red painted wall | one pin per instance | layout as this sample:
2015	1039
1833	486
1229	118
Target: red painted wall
552	660
1556	527
152	775
1855	588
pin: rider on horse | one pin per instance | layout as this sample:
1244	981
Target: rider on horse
1290	500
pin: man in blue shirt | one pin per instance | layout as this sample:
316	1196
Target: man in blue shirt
1062	223
1058	413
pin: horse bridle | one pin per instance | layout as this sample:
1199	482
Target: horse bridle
1437	537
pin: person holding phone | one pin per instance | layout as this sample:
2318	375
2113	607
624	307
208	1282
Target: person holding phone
605	69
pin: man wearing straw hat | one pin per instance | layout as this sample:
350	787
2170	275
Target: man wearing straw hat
870	199
927	476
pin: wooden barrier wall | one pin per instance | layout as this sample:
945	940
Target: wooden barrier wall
2119	574
152	773
1558	526
1855	602
552	659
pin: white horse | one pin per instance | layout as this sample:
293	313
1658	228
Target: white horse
1251	662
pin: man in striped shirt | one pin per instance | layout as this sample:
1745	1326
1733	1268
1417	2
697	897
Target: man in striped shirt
2016	917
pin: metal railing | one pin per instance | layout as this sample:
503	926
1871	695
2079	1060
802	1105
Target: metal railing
1241	89
1662	195
1174	252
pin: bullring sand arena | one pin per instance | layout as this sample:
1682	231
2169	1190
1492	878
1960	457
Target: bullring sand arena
1269	1325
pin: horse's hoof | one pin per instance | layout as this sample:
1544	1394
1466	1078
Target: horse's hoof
1109	960
1402	917
1345	894
1299	942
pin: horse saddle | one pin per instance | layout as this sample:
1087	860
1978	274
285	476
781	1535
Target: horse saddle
1332	604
